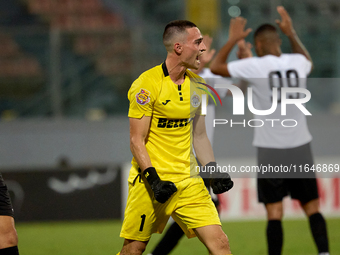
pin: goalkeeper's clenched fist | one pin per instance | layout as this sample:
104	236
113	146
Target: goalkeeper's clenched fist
221	185
220	182
162	190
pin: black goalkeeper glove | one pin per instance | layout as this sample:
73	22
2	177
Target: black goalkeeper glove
220	182
162	190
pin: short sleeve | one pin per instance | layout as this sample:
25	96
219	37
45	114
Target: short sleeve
142	96
306	63
243	68
308	67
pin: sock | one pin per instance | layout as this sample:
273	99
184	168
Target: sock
319	231
274	237
10	251
169	240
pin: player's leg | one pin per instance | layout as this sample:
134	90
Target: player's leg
175	233
169	240
316	220
196	214
8	234
133	247
172	236
306	191
317	225
274	210
271	191
143	217
274	230
214	239
311	207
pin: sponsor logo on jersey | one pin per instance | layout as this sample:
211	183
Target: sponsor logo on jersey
173	123
143	97
195	100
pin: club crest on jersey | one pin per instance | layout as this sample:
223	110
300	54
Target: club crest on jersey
195	100
143	97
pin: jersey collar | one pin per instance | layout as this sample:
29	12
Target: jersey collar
166	72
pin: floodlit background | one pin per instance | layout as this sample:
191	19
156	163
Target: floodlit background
65	69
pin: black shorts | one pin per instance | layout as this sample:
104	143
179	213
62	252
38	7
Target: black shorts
6	207
271	190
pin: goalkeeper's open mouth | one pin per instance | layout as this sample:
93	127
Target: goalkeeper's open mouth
198	58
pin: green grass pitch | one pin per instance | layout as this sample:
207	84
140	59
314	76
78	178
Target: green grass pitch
102	237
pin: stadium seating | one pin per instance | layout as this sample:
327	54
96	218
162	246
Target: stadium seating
101	38
21	76
48	7
75	15
8	47
98	38
86	22
96	42
15	65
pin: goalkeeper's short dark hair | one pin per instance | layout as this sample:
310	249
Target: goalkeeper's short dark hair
173	28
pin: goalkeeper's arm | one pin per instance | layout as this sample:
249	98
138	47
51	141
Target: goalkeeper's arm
201	143
221	182
139	129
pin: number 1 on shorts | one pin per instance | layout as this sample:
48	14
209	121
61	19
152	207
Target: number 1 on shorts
142	223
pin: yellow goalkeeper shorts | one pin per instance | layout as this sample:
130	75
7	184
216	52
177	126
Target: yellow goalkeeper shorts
191	207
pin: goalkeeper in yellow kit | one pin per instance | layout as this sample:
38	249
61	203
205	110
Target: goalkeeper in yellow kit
166	123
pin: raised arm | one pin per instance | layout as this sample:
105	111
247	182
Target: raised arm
236	32
286	26
243	51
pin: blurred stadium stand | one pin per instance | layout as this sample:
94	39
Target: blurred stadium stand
84	48
70	58
16	66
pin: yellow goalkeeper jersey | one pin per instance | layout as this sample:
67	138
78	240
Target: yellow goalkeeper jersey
172	109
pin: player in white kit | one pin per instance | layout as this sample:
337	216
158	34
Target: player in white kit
276	144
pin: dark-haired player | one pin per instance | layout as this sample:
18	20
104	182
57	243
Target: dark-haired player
166	123
8	234
277	145
174	233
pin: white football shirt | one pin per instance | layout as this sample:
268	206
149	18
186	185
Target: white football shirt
264	73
